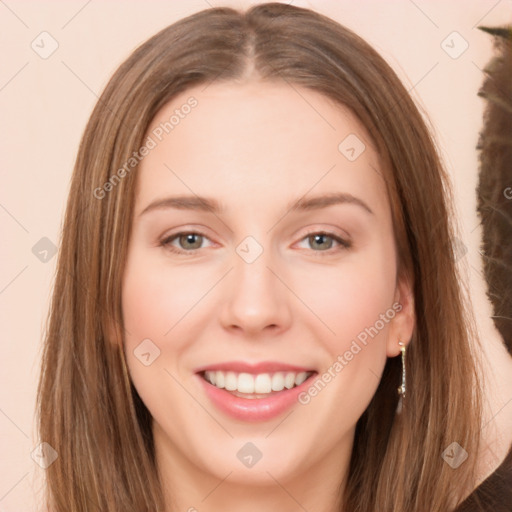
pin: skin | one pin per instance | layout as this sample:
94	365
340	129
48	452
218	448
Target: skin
255	147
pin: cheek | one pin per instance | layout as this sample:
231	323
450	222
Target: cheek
155	299
156	304
350	297
343	299
354	306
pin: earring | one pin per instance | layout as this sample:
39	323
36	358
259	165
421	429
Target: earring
401	388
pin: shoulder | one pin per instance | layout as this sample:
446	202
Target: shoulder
494	494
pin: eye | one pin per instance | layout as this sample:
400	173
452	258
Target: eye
189	241
325	241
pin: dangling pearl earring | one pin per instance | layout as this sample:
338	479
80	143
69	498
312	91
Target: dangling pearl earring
401	389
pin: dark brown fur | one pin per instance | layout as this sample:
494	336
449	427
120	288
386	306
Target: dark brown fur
495	181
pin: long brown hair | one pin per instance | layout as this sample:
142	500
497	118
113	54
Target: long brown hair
89	411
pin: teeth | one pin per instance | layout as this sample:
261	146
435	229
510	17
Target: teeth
262	383
219	379
230	381
277	382
301	377
289	380
245	383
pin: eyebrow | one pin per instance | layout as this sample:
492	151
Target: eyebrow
207	204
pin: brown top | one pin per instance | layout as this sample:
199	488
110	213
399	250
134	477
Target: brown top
494	494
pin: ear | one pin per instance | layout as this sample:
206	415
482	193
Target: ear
403	323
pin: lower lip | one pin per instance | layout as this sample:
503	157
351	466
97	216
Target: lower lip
254	409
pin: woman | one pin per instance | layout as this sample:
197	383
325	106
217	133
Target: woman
248	370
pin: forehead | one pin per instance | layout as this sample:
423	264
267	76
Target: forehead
242	142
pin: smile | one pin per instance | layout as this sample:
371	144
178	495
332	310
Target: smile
249	393
261	384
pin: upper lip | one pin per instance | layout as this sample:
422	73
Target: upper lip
254	368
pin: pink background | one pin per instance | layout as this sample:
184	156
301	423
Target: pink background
45	104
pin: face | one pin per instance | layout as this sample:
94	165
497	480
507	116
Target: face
242	277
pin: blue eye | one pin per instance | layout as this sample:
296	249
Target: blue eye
191	241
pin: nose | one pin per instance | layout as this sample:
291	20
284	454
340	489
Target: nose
258	300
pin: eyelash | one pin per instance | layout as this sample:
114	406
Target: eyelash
344	244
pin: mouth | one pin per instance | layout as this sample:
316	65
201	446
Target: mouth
254	397
254	392
255	385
